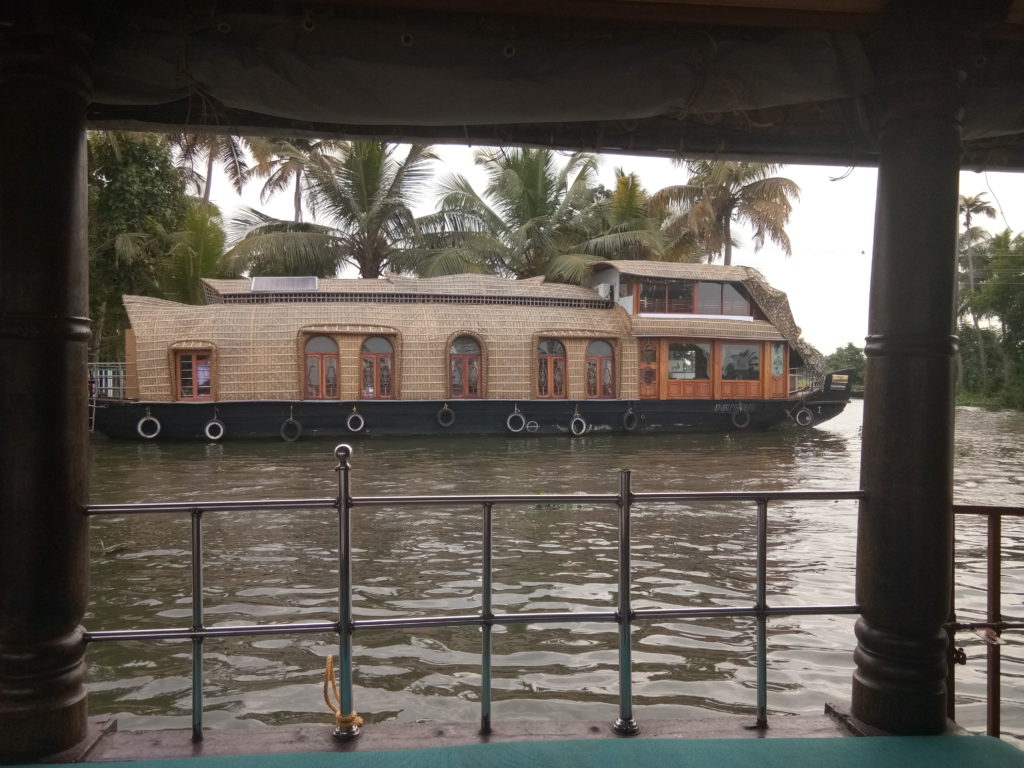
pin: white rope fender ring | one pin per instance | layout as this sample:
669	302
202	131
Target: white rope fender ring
148	426
515	422
804	417
214	429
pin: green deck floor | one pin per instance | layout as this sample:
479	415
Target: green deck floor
877	752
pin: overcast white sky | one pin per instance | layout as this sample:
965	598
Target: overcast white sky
826	278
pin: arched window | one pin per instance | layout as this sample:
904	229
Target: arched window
321	368
464	366
550	368
600	369
377	362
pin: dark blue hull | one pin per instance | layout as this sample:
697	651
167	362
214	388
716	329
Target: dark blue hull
291	420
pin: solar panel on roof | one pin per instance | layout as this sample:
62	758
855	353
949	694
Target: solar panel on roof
283	284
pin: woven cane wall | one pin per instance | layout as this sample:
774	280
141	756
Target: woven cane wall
260	346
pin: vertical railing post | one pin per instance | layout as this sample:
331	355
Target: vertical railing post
761	607
348	720
995	611
197	624
487	614
625	725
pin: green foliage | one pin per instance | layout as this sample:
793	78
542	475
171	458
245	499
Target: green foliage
542	214
982	361
194	252
849	357
135	193
992	344
364	192
720	193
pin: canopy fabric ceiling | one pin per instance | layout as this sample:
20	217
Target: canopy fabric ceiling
775	79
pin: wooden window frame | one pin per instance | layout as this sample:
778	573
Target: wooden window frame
549	360
321	358
597	360
375	358
464	359
179	356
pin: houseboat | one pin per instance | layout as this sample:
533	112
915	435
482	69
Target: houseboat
643	347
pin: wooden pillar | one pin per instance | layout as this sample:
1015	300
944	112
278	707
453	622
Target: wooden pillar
905	535
44	332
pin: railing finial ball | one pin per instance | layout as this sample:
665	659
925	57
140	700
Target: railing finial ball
343	452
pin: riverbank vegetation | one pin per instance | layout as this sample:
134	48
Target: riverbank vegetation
990	314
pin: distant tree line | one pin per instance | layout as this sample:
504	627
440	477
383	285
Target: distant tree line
990	314
153	230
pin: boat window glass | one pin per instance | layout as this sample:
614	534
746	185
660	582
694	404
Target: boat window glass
464	365
551	347
465	345
652	297
741	362
680	298
322	345
733	301
778	358
688	361
195	375
377	345
550	368
600	370
709	298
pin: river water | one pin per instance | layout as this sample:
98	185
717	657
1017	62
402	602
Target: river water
277	566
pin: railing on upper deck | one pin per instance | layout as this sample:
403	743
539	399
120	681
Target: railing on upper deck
802	380
106	380
622	614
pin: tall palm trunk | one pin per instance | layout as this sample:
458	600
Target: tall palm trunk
298	195
982	355
727	249
209	177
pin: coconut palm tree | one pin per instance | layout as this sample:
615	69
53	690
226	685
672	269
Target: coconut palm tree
972	250
364	192
538	215
194	252
283	162
971	206
231	152
652	232
720	193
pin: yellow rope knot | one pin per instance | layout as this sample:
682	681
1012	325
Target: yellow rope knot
331	686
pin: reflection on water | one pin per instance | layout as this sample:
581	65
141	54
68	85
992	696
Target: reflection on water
275	566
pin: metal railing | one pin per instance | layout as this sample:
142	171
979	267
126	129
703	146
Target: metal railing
992	628
107	380
623	614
